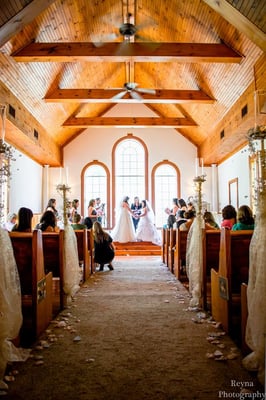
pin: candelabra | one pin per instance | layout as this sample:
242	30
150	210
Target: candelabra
62	189
6	155
198	181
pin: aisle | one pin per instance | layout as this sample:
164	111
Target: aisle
129	336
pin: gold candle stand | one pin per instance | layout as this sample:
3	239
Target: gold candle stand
198	180
62	189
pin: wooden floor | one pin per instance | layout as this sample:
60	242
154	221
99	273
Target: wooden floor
137	249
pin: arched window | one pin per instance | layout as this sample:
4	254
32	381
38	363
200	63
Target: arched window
130	169
166	186
95	178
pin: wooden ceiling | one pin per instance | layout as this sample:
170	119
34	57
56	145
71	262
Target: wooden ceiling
63	63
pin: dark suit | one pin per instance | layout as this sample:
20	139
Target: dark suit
136	211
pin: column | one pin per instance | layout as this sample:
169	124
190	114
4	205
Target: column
214	206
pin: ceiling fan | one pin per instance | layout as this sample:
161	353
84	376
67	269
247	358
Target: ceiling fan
128	29
130	87
133	90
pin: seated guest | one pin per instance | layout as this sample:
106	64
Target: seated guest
171	220
182	204
189	216
24	220
180	219
245	220
228	216
76	223
48	222
10	222
190	205
210	222
104	250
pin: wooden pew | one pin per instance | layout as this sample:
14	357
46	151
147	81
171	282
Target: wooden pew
171	249
180	255
36	284
210	252
226	283
165	244
84	252
53	249
91	250
164	234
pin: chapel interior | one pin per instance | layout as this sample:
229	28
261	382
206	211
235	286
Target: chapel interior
183	82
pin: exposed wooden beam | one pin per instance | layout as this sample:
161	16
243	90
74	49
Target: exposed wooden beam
107	96
239	21
20	132
140	52
25	16
121	122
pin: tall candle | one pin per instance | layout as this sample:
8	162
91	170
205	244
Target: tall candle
66	175
196	166
202	168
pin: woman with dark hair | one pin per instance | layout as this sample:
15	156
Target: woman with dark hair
92	214
104	250
124	230
51	206
24	220
48	222
245	220
182	204
229	217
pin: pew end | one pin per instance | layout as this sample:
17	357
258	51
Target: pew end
84	253
36	284
53	249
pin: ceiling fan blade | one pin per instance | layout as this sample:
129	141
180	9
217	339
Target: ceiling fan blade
135	95
99	41
148	91
119	95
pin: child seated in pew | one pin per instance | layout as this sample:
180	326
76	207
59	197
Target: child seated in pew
76	223
48	222
210	222
245	219
228	216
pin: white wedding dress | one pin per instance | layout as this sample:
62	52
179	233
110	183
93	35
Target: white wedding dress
146	230
123	231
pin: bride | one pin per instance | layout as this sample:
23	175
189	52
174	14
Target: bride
124	229
146	230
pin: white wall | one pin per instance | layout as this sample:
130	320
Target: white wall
25	184
236	166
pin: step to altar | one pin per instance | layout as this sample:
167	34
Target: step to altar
137	249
